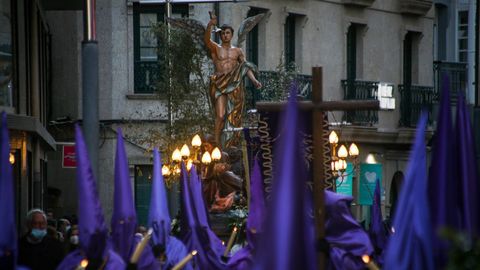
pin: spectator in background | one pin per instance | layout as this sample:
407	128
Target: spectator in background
38	250
63	228
395	188
71	239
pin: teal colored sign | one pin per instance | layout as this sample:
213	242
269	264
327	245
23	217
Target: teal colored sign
345	182
369	173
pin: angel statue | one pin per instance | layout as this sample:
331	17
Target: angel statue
227	90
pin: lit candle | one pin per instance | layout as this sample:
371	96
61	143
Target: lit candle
83	264
369	263
184	261
230	241
140	247
216	154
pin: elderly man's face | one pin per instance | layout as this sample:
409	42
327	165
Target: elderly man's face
38	222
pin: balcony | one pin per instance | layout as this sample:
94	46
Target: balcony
147	75
275	87
456	72
415	7
414	98
360	90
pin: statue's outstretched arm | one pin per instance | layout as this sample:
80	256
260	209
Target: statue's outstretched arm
207	35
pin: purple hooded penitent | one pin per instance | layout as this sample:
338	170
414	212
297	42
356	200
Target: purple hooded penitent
378	233
200	212
468	186
159	219
410	246
91	224
441	181
194	235
243	259
93	233
124	218
158	215
8	234
289	241
348	241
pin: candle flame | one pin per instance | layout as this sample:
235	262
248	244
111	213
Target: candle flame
196	141
84	263
366	258
194	252
235	229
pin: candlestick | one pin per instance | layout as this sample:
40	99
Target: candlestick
369	263
140	246
230	241
184	261
83	264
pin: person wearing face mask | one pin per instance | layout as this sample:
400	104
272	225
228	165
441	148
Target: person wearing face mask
38	250
71	239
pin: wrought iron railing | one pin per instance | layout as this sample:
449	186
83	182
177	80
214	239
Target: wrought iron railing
457	73
147	74
414	98
275	87
360	90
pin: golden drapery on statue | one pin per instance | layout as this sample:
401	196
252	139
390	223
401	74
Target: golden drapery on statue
232	85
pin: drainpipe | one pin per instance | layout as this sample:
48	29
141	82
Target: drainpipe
90	84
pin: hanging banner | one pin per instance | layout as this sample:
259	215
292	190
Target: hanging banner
270	131
369	173
344	183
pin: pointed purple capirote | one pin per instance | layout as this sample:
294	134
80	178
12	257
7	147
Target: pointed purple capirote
347	240
467	173
124	218
200	210
377	231
243	259
257	211
91	224
441	182
8	235
195	236
159	218
410	246
196	194
289	239
158	215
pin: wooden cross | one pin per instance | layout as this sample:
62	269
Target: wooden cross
318	107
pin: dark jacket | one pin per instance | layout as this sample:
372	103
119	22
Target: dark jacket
44	255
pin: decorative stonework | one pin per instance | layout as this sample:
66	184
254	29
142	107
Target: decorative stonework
415	7
361	3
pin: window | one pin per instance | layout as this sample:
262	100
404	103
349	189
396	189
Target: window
410	58
6	54
252	39
289	40
148	60
352	53
462	36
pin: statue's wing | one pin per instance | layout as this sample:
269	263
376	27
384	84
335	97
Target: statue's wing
193	27
247	25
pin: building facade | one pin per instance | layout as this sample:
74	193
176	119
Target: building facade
359	43
25	95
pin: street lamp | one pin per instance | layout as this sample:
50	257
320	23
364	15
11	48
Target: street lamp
171	170
340	157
